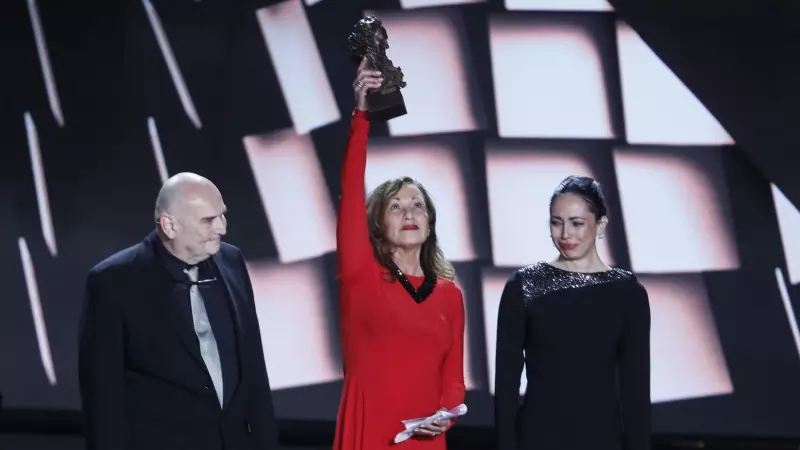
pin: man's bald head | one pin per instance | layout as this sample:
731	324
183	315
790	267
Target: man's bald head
190	215
178	190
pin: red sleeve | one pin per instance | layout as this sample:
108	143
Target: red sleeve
354	250
453	374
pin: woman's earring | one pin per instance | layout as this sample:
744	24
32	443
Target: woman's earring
600	236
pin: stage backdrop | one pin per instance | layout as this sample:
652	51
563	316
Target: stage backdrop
102	102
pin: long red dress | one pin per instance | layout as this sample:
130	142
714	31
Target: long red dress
401	359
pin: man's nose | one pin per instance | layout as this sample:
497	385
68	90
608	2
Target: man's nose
220	227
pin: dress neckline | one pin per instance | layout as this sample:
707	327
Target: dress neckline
414	277
599	272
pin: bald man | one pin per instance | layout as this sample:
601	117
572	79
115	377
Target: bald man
170	353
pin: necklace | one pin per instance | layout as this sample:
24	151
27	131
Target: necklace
417	294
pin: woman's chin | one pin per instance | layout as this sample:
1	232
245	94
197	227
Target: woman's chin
409	243
570	255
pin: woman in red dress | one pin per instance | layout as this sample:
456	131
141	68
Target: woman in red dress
402	317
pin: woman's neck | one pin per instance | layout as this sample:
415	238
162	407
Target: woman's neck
589	263
407	260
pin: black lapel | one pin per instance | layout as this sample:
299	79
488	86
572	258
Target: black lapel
226	275
174	297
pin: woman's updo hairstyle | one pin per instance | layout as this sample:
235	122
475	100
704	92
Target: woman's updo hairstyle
586	188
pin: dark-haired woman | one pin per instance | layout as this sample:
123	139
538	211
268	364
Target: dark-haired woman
401	315
582	329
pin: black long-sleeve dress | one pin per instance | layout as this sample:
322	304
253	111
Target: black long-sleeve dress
586	344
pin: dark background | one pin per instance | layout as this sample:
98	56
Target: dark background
102	178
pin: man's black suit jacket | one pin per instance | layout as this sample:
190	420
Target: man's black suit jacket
143	383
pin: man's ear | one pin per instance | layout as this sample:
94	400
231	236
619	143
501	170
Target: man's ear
168	225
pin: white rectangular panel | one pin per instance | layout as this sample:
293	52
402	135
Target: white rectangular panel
435	165
791	316
298	65
411	4
293	192
37	312
439	81
520	181
296	324
687	360
549	80
789	225
676	209
172	64
470	379
40	183
658	107
558	5
158	151
44	62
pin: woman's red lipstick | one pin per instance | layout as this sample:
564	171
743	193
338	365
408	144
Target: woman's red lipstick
565	246
409	227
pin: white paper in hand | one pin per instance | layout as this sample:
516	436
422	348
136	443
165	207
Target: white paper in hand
412	424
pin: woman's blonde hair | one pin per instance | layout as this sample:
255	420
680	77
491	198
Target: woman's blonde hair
431	257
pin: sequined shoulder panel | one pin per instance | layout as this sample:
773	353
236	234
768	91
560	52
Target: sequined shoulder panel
541	278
